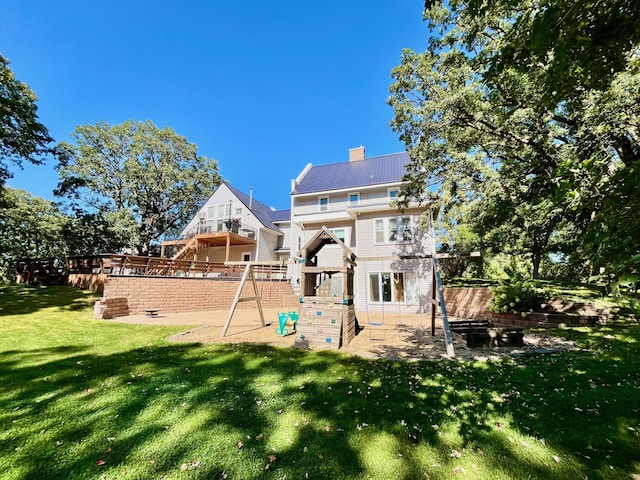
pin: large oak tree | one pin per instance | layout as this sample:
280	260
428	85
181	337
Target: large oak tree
144	180
509	108
22	136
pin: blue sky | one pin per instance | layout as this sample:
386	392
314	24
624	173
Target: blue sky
262	87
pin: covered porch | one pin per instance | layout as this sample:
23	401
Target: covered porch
188	248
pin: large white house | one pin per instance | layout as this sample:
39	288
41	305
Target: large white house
355	199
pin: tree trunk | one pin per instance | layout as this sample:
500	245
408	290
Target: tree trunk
536	259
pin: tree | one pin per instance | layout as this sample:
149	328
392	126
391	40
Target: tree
30	227
142	179
481	119
22	136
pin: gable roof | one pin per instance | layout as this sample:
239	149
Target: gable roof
259	209
323	237
360	173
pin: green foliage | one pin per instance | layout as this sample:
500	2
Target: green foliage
30	227
516	296
455	236
22	136
141	179
547	157
93	398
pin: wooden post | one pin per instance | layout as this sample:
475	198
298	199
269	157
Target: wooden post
248	272
226	257
434	286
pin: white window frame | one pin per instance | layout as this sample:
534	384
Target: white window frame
226	211
237	212
387	234
390	191
211	212
357	201
321	207
409	287
346	234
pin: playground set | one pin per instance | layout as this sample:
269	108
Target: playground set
327	317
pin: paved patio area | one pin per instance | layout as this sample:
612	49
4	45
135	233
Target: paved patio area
400	337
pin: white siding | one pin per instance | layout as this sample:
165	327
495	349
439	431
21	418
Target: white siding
218	254
224	196
267	245
421	268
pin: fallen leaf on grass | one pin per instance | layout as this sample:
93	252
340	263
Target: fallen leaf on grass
191	466
240	445
556	458
101	462
272	458
108	450
455	454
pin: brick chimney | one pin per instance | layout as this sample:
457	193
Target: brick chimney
356	154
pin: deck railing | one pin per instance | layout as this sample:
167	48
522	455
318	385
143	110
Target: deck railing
115	264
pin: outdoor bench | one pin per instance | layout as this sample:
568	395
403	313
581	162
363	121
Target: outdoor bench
495	337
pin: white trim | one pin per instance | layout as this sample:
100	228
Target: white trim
350	189
304	171
347	231
317	217
354	204
392	189
320	205
387	232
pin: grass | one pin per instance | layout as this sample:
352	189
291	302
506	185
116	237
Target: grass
83	399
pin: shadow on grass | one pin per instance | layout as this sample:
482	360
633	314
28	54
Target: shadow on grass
23	299
242	411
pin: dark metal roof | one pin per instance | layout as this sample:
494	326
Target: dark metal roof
259	209
359	173
280	215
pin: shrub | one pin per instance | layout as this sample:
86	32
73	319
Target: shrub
518	297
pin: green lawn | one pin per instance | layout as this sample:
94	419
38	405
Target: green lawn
84	398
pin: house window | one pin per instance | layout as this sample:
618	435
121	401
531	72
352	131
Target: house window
224	211
211	212
246	256
323	204
340	233
237	213
393	230
354	199
379	235
392	287
400	230
393	193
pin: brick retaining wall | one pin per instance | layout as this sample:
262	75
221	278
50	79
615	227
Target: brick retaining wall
186	294
472	303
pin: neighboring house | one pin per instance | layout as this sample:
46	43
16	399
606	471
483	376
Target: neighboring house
355	200
233	226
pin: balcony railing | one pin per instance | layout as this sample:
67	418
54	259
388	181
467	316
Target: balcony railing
212	226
